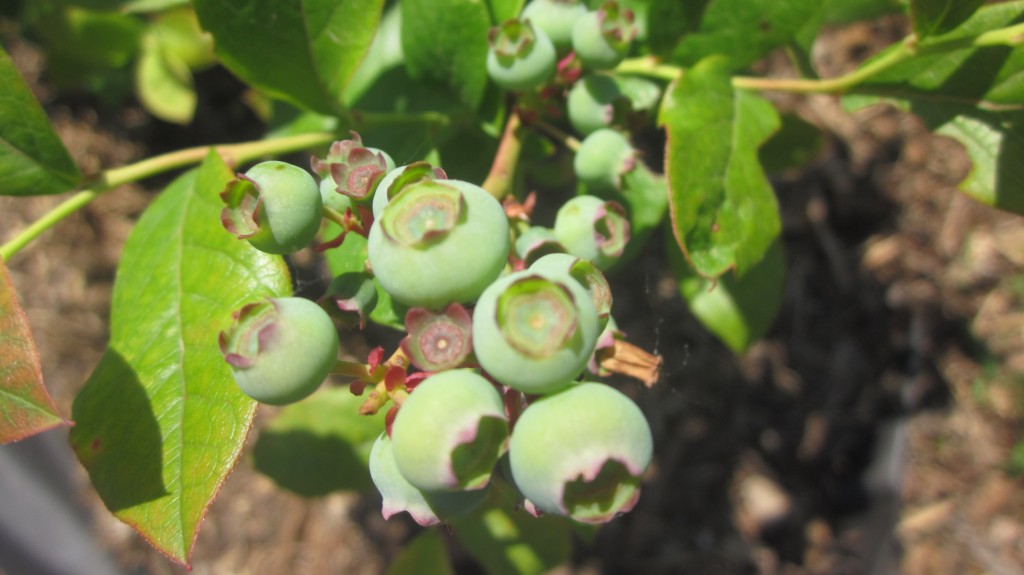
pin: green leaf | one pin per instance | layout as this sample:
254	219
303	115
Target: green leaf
33	160
319	445
742	30
724	213
737	310
385	52
845	11
973	94
446	41
25	406
794	146
930	17
305	51
502	10
425	555
512	542
670	20
91	50
160	422
645	197
164	85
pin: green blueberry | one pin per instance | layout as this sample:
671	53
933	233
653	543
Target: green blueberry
535	330
438	242
426	508
593	229
556	19
601	38
280	350
602	159
536	242
450	432
581	453
521	57
592	103
275	206
398	178
587	274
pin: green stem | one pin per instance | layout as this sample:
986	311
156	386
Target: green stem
352	369
559	135
499	179
233	154
907	49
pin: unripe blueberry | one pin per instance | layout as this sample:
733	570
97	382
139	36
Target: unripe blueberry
426	508
450	432
397	179
593	229
601	38
555	18
275	206
581	453
280	350
592	103
438	242
534	330
602	159
537	242
589	277
521	57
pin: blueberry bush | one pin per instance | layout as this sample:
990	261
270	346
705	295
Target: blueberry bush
476	171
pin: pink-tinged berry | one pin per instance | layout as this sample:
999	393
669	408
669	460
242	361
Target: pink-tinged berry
534	330
438	242
602	38
581	453
275	206
593	229
426	508
280	350
438	341
450	432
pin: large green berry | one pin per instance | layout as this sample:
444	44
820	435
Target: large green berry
602	159
601	38
593	229
426	508
581	453
438	242
589	277
275	206
534	330
520	57
280	350
450	432
556	19
397	179
592	103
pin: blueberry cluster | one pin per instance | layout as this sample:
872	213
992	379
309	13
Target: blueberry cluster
487	380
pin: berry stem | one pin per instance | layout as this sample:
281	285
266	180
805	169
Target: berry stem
233	154
499	179
559	135
352	369
336	217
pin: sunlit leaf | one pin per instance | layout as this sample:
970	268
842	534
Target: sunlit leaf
305	51
724	212
160	422
33	160
974	95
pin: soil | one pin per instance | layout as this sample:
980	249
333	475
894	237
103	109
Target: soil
875	429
